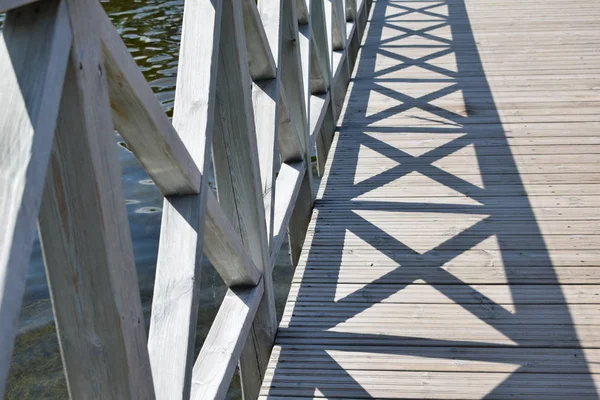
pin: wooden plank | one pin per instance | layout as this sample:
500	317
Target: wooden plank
140	119
30	94
173	320
476	385
453	294
288	184
289	139
455	359
223	345
238	176
291	73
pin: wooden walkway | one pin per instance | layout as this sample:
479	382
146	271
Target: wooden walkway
454	251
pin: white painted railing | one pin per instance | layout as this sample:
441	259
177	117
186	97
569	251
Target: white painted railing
258	87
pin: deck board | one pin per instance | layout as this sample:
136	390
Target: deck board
454	251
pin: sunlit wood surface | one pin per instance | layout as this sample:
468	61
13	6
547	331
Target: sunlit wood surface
454	251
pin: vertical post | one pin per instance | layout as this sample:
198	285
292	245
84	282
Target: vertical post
30	91
341	65
85	236
86	242
296	77
324	137
172	334
237	171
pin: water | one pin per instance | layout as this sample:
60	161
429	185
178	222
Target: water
151	30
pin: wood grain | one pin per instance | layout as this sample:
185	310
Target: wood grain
85	237
175	303
140	119
223	345
30	94
239	186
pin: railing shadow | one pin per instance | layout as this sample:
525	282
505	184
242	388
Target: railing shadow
491	200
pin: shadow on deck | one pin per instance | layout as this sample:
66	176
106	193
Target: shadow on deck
352	332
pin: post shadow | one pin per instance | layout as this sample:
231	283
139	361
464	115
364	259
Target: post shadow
502	197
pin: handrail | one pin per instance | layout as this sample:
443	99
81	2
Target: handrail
259	86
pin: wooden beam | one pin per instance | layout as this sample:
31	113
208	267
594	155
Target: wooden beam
139	117
300	219
303	208
223	345
173	325
86	241
289	139
291	72
339	25
288	185
323	112
238	177
30	93
261	62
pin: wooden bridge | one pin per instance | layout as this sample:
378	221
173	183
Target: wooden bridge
452	252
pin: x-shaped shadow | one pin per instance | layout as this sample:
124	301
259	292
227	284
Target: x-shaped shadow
322	326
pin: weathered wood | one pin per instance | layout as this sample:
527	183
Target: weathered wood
296	73
290	141
139	117
288	186
30	93
291	73
173	325
261	59
239	188
224	343
300	218
325	123
319	43
338	25
86	241
322	111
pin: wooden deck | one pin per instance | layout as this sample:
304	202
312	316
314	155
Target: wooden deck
454	251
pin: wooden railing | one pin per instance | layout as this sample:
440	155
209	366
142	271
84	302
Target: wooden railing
258	86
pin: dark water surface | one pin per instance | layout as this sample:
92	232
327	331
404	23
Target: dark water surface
151	30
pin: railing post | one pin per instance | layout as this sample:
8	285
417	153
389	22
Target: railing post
86	241
172	334
239	188
30	92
